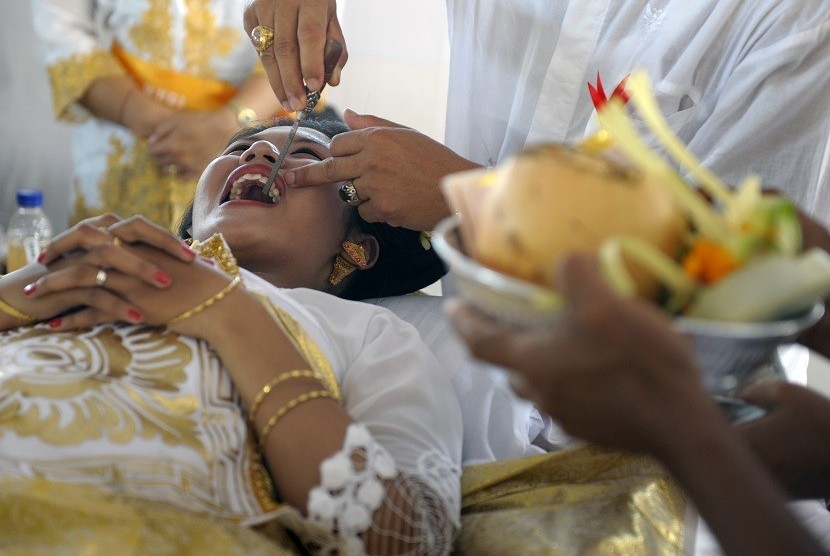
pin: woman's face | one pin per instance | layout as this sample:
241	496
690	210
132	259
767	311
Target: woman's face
289	236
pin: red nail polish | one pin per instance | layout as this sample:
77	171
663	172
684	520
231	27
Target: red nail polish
41	257
30	289
190	252
135	316
162	277
55	323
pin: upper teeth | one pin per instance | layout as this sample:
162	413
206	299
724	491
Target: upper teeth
237	187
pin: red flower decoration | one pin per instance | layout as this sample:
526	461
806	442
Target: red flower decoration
599	97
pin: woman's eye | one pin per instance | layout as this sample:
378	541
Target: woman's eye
237	148
307	151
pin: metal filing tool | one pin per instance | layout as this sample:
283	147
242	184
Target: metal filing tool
333	50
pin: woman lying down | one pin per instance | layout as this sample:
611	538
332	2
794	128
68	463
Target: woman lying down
246	393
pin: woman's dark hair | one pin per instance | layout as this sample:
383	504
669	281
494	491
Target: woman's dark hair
403	266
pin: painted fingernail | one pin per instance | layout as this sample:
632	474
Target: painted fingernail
30	289
162	278
55	323
41	257
289	177
188	251
135	316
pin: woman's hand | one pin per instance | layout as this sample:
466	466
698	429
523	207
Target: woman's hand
300	33
94	264
386	163
792	439
189	140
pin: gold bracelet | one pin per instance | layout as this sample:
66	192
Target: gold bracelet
207	303
308	396
12	312
268	388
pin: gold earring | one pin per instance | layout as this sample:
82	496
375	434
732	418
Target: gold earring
342	268
356	252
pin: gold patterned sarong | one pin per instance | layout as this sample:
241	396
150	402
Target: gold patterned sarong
580	501
43	518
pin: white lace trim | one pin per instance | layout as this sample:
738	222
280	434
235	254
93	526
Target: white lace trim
418	513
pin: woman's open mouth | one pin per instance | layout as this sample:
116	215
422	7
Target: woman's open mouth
246	184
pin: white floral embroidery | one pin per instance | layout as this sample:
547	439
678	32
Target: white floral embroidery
421	510
652	19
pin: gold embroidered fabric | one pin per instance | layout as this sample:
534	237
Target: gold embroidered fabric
136	409
217	249
43	518
581	501
133	184
70	77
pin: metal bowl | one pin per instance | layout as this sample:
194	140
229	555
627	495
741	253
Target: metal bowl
731	355
495	294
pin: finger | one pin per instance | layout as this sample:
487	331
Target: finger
255	13
362	121
766	395
581	282
84	235
162	131
312	27
139	229
90	274
336	32
331	170
286	50
117	310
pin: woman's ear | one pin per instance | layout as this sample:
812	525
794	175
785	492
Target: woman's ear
361	251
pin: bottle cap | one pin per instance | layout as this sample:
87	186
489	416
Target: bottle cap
29	198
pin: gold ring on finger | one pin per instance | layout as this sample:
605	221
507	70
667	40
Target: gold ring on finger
262	37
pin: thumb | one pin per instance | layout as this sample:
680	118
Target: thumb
361	121
766	394
581	282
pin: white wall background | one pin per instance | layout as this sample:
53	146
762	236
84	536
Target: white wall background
398	62
397	69
34	149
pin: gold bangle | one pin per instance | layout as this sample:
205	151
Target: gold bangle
268	388
12	312
207	303
308	396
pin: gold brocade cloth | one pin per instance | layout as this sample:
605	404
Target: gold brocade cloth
582	501
43	518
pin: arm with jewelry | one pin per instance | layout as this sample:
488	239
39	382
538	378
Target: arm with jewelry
290	392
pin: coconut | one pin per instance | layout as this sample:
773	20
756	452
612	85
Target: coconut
552	199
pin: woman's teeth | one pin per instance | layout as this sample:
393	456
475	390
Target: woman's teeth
243	185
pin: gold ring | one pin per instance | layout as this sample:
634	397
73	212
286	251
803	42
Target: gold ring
117	241
100	277
262	37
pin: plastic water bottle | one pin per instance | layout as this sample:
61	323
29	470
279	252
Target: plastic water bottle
29	230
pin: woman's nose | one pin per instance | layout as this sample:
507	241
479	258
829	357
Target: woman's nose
261	149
